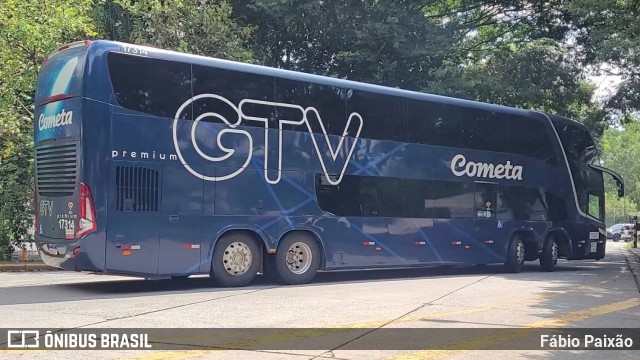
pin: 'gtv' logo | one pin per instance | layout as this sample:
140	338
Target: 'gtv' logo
232	124
23	339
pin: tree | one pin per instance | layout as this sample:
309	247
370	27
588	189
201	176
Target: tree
30	30
620	149
201	27
383	42
607	32
619	210
513	53
536	75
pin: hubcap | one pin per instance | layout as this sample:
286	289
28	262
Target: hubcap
520	252
237	258
299	258
554	252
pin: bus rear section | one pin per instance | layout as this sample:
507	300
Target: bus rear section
65	214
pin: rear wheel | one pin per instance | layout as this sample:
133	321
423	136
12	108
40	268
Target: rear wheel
549	257
236	260
616	237
515	255
297	260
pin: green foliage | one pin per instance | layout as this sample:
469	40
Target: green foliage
608	32
506	52
382	42
29	30
621	148
196	26
619	210
536	75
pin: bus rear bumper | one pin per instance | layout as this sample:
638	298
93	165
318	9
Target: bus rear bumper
67	255
589	250
80	262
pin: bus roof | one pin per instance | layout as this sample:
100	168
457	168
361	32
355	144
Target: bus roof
100	46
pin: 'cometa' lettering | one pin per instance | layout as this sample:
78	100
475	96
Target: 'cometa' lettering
461	167
56	120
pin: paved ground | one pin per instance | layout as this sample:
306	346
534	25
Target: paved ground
579	294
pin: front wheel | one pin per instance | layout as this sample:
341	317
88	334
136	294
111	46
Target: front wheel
549	257
297	260
236	260
515	255
616	237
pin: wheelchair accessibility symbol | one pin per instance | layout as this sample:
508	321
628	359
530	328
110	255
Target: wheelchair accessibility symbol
499	224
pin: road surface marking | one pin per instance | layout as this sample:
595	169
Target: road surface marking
504	335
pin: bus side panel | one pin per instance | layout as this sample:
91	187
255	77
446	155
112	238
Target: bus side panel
96	132
133	236
180	221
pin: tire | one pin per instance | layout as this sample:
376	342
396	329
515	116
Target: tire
236	260
515	255
549	256
297	260
616	237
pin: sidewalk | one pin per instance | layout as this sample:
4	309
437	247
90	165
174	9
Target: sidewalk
633	262
24	266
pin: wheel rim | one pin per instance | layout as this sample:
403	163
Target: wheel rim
299	258
237	258
520	252
554	252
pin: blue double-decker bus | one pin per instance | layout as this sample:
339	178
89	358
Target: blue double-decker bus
162	164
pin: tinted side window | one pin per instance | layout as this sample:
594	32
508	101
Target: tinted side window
451	199
483	130
328	101
383	116
354	196
577	143
557	207
432	124
522	203
373	196
234	87
152	86
531	138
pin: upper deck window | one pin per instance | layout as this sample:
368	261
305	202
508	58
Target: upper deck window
151	86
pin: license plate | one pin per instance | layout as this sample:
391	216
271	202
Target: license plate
594	247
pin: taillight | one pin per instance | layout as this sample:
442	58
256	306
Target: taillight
36	223
87	222
55	98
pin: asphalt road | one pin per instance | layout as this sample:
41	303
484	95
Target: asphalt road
579	294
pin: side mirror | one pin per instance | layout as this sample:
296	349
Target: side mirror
614	175
620	186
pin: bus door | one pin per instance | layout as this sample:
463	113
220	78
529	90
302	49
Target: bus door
132	220
180	221
486	227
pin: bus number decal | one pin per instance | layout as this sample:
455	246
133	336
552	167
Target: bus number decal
132	49
308	115
67	224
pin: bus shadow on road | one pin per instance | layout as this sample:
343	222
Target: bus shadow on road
203	283
133	287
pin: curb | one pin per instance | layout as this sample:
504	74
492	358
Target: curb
633	263
26	266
